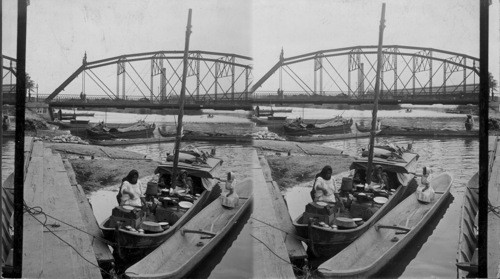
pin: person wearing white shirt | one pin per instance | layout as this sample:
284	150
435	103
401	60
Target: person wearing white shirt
324	187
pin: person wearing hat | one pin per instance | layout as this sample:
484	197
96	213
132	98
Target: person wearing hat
130	190
425	192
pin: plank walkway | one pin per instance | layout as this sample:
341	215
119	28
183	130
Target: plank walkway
294	246
44	255
266	263
494	198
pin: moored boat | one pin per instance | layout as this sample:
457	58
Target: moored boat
123	225
337	125
167	133
467	261
177	256
140	129
373	250
323	241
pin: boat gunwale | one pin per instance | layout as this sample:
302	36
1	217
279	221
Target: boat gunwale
404	240
209	245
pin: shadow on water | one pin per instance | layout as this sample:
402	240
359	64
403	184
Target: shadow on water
397	266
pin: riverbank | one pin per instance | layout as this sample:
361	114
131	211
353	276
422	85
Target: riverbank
98	166
292	163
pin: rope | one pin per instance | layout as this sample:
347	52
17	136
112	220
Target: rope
494	209
293	266
293	235
38	210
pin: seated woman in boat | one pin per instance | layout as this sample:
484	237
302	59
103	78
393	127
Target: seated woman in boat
425	192
324	188
380	177
131	190
184	183
359	177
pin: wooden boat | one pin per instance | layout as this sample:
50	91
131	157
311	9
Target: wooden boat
362	128
373	250
429	132
194	241
130	245
337	125
467	262
201	136
138	130
326	242
167	133
118	142
72	124
330	137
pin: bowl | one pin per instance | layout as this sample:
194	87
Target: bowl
380	200
151	226
346	223
164	225
185	204
358	221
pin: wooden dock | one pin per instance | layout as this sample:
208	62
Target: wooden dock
48	186
294	246
266	263
494	198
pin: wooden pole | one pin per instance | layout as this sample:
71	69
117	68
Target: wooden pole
375	102
19	149
483	139
1	130
181	103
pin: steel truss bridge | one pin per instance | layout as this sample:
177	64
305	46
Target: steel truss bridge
413	75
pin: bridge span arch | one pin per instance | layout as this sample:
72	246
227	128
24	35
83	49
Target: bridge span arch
408	73
156	77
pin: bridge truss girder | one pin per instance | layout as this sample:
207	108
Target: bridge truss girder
211	76
407	72
9	67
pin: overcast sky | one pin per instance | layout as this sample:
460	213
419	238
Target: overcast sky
60	31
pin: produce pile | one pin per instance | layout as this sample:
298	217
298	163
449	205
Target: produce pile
63	139
266	135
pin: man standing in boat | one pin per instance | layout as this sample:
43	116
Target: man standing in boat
469	122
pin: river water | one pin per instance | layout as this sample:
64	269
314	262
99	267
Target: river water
431	254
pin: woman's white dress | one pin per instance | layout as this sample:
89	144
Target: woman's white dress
325	189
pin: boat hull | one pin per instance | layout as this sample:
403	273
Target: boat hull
372	251
131	246
344	128
114	134
184	250
326	242
467	241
